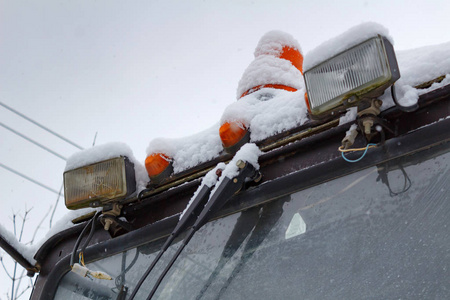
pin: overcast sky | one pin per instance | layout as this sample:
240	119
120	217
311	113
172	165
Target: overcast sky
136	70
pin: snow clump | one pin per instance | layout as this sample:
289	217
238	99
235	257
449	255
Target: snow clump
268	67
189	151
248	153
344	41
418	66
108	151
209	180
268	112
272	43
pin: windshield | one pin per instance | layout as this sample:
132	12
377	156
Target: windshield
379	233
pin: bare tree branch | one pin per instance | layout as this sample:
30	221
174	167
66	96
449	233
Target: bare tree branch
24	219
21	293
39	226
56	204
21	276
13	277
15	287
14	224
4	267
13	280
18	283
32	285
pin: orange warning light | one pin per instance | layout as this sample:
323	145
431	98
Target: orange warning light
231	133
156	163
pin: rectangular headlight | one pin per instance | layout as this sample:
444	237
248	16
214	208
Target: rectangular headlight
363	71
99	183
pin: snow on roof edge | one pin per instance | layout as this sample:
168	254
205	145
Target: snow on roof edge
189	151
107	151
352	37
26	251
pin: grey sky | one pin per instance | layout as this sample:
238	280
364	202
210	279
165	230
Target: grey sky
136	70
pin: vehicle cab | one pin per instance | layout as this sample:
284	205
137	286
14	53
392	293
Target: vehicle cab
345	196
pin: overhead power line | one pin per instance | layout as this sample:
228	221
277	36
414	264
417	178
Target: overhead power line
32	141
29	178
42	126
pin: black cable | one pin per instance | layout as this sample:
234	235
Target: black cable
32	141
91	233
383	175
120	278
29	178
406	186
410	108
77	243
42	126
383	138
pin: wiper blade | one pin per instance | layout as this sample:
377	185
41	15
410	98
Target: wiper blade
227	188
188	217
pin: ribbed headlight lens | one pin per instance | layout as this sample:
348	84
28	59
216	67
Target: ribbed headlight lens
99	183
363	71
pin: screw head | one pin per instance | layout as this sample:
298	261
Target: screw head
240	164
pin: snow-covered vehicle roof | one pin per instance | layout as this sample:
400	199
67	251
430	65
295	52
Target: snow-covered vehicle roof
269	111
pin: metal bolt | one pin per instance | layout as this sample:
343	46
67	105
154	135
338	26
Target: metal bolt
235	180
367	126
240	164
108	223
258	177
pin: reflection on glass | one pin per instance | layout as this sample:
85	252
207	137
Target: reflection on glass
296	227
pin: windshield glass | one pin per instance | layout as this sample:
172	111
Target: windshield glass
379	233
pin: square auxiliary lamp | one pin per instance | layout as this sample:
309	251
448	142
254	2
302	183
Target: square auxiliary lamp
364	71
99	183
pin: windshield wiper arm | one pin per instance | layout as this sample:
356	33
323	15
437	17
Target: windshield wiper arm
227	188
188	218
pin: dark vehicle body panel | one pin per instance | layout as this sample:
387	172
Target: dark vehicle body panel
292	167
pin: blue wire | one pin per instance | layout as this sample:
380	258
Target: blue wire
356	160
